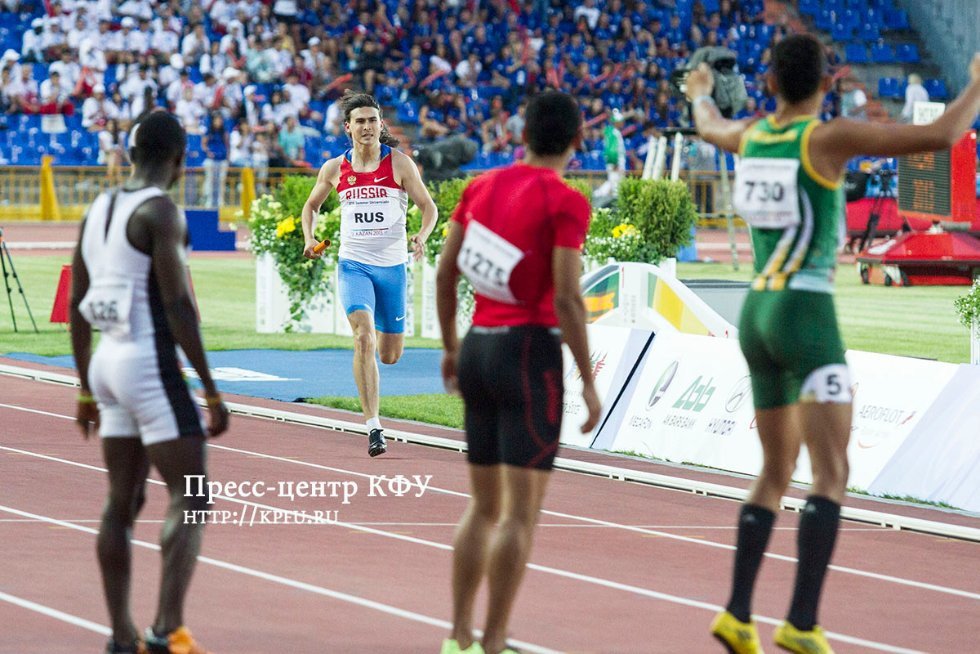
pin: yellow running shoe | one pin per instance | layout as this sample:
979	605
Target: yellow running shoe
738	637
792	639
450	646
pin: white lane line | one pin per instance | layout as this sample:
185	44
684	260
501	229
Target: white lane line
594	521
284	581
684	601
56	614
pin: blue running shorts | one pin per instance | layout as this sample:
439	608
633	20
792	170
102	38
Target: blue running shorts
378	289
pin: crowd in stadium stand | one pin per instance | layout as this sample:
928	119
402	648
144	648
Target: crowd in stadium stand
259	81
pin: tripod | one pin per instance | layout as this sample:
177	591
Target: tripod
5	262
877	204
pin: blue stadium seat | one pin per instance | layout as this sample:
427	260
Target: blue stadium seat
842	33
937	89
824	20
408	112
889	87
869	32
882	53
809	7
897	19
908	53
856	53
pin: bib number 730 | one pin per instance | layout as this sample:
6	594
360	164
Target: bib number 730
766	192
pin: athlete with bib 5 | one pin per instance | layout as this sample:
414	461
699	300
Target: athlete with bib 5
374	182
517	235
788	188
129	280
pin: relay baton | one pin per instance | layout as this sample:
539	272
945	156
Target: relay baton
321	246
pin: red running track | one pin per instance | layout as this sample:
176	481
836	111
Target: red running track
617	567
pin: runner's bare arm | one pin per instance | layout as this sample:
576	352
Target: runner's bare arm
446	284
407	174
324	184
86	412
566	265
168	233
81	331
834	143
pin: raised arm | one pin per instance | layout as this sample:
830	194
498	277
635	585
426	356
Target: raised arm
324	184
407	174
839	140
711	125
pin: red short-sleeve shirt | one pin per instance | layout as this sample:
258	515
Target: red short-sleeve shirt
535	211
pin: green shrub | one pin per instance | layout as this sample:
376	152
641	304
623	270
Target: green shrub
968	306
649	221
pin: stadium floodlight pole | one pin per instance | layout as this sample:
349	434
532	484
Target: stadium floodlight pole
5	260
726	196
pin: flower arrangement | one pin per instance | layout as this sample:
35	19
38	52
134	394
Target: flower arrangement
650	220
276	230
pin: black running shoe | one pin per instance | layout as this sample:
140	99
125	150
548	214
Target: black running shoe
376	443
112	647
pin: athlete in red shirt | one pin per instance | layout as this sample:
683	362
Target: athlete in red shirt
517	235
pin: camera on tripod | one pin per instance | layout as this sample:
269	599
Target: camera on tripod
729	91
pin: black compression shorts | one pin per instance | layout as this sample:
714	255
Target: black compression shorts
512	386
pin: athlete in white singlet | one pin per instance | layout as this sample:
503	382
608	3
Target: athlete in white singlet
129	281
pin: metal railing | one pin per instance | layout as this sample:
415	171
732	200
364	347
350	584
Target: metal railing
76	187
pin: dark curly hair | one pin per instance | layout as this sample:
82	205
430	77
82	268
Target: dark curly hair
353	100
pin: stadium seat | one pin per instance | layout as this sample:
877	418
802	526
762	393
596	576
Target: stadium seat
824	21
809	7
869	32
882	53
908	53
889	87
897	19
937	89
842	33
856	53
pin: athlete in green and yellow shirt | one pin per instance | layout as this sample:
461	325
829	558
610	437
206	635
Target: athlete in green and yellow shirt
788	189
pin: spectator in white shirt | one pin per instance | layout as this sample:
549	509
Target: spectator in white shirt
54	96
590	11
206	91
52	38
299	95
98	110
25	91
112	148
914	92
175	91
68	68
195	45
77	33
222	12
165	42
240	145
189	111
166	21
133	86
285	10
170	73
136	9
32	48
213	61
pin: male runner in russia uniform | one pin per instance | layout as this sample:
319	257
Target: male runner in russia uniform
129	281
788	189
517	235
374	182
